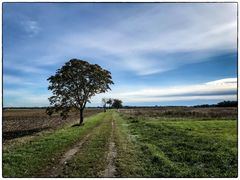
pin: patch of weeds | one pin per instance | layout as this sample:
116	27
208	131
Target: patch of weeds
134	121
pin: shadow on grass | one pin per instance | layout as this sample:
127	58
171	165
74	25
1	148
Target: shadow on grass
77	125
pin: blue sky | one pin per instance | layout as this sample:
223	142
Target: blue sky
158	53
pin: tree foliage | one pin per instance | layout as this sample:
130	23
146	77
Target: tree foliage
112	103
74	84
220	104
116	103
109	102
106	101
227	104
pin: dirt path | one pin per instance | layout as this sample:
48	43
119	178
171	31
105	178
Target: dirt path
70	153
67	156
56	170
110	170
112	153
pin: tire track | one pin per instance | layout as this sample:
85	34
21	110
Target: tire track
111	157
56	170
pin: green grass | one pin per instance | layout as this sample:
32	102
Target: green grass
187	148
28	159
90	161
146	147
128	162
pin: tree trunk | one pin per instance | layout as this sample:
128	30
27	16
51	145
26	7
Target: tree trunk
81	116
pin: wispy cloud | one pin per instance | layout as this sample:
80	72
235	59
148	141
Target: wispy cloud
231	82
23	97
223	89
151	42
24	66
11	79
14	85
31	27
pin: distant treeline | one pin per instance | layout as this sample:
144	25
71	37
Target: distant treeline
220	104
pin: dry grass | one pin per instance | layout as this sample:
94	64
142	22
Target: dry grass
182	112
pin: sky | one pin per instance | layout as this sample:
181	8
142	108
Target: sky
158	53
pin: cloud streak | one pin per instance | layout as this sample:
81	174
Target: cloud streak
140	41
31	27
22	97
223	89
10	79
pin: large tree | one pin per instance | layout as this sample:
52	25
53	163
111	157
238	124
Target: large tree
74	84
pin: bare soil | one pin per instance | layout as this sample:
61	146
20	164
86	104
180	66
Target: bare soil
24	122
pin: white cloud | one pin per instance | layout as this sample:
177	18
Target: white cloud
180	98
223	89
217	86
10	79
27	67
224	82
31	27
22	97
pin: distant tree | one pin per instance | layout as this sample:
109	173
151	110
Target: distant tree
117	103
109	102
228	104
104	103
220	104
74	84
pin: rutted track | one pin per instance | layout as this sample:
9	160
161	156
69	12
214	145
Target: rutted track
87	151
71	154
112	153
55	171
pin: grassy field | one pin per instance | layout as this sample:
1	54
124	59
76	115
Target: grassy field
144	146
187	148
